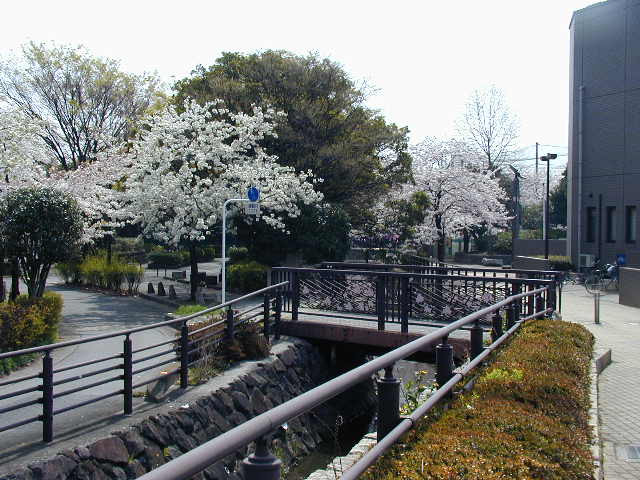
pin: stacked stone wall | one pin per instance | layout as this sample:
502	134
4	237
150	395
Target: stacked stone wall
129	453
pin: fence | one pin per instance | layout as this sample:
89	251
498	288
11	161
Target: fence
261	465
183	349
397	297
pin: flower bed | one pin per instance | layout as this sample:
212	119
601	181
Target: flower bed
527	416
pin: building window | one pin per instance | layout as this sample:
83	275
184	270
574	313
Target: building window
631	224
611	224
591	224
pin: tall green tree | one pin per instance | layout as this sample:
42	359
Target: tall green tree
328	127
558	202
39	226
81	103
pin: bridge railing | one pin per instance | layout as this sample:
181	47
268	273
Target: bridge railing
262	465
399	297
44	387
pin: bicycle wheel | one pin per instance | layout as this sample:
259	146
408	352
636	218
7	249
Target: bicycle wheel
593	284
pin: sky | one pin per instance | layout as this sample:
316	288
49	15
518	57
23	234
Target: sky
424	58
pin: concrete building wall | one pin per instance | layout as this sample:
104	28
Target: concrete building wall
604	129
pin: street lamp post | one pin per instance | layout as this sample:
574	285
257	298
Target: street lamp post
547	158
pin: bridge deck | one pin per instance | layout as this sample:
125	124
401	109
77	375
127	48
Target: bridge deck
362	330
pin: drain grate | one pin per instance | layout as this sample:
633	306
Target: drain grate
633	452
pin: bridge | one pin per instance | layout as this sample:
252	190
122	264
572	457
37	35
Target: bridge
395	311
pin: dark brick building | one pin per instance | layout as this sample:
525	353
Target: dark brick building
604	132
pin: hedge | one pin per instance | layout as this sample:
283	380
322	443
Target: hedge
248	276
26	323
527	416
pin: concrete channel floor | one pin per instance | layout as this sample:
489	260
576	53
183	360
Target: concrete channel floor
619	383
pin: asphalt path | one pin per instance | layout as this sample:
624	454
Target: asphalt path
85	314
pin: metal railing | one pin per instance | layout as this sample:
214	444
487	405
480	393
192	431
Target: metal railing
261	465
399	297
185	349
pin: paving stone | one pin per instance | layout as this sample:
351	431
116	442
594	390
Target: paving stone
618	388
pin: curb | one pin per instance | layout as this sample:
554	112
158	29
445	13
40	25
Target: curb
156	299
339	465
599	362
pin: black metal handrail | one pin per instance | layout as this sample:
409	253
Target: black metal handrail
262	465
390	297
176	350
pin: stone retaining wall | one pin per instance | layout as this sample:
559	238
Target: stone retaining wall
130	453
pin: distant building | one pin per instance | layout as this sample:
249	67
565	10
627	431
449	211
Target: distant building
604	133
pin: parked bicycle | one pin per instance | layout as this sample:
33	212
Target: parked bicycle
598	278
601	277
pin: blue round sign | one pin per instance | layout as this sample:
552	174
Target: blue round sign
253	194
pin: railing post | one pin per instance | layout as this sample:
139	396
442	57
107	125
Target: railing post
128	376
266	315
388	403
476	339
380	299
496	322
531	307
47	397
184	355
539	302
551	297
230	326
404	304
512	315
295	300
278	315
261	465
444	362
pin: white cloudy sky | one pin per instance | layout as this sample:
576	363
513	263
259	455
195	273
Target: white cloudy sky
424	57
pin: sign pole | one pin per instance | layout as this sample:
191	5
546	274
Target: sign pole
253	196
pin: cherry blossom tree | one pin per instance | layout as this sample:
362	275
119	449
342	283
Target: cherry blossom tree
459	197
25	161
185	165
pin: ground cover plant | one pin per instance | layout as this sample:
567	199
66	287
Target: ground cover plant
527	416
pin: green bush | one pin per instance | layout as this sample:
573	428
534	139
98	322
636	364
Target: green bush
238	254
69	271
527	416
28	322
248	276
96	271
133	275
168	259
502	243
206	254
561	263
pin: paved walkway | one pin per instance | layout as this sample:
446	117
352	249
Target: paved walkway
85	314
619	383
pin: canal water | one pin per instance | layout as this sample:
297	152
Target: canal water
351	431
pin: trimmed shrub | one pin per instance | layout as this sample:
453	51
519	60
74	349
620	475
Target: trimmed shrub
28	322
238	254
561	263
168	259
248	276
527	416
70	272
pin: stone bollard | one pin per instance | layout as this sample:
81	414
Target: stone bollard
161	292
150	289
172	292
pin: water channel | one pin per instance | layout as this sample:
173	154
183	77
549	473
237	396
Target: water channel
351	431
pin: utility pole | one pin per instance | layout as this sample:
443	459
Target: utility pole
537	158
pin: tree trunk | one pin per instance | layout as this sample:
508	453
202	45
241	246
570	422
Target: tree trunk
195	278
15	279
466	240
441	248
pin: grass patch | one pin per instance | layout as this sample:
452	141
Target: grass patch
527	416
